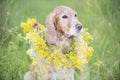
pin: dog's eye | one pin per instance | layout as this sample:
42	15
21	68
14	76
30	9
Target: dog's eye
75	15
64	16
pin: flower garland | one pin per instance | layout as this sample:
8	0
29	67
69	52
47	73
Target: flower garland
43	57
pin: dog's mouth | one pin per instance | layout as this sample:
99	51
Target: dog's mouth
78	31
69	36
74	33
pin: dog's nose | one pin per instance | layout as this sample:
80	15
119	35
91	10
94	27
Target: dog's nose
78	26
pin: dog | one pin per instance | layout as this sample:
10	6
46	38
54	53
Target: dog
62	25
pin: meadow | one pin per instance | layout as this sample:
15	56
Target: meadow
101	17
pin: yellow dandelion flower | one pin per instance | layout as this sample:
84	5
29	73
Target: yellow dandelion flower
31	22
84	31
34	63
23	24
89	53
41	27
86	36
25	27
56	63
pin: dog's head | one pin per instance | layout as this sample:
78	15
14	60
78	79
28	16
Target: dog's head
63	20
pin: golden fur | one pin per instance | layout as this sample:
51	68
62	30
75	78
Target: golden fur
61	24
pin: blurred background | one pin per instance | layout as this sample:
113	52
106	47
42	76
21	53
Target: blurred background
102	17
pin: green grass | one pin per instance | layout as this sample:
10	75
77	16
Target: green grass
101	17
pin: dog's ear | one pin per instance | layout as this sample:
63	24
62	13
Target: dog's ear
51	32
